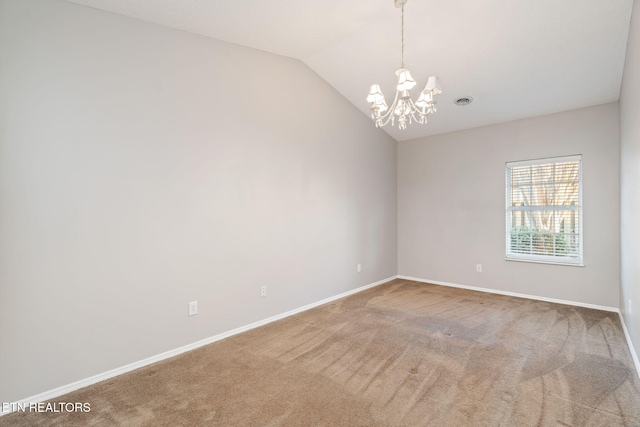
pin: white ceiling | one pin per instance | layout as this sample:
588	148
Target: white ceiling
516	58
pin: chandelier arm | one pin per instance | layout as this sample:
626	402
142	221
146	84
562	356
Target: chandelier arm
387	116
416	109
422	117
418	119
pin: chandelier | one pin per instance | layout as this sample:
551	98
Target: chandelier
403	108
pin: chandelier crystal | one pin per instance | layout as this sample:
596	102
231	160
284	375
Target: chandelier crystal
403	108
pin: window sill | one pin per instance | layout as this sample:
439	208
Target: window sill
535	261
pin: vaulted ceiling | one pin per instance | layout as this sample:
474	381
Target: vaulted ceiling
516	58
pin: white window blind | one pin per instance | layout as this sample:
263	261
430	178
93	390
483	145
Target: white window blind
544	210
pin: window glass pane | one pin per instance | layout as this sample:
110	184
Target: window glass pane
544	210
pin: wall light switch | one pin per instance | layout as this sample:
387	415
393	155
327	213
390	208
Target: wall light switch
359	268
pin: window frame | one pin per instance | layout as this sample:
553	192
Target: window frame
545	259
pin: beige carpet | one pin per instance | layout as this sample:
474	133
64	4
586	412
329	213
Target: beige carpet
401	354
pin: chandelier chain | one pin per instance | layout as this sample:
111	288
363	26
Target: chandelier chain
402	37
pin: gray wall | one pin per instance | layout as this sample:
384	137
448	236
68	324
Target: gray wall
630	183
143	167
451	203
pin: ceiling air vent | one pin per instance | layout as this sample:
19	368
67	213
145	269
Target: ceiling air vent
466	100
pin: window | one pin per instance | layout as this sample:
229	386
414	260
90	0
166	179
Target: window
544	210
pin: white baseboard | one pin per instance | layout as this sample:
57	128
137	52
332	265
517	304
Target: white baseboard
632	350
51	394
513	294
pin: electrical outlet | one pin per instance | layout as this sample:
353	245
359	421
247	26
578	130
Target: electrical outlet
629	306
479	268
263	291
193	308
359	268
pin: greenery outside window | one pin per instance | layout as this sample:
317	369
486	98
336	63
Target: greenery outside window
544	210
